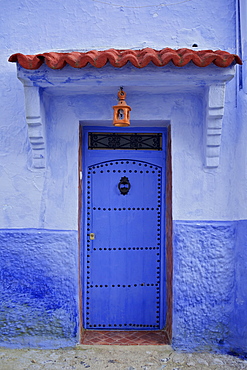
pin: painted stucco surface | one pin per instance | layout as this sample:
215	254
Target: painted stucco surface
39	290
238	337
210	286
39	266
90	24
93	24
203	284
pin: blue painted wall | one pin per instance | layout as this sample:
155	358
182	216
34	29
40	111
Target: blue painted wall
238	334
203	283
93	24
39	209
90	24
38	288
210	286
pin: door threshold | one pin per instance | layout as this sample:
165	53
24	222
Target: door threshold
124	338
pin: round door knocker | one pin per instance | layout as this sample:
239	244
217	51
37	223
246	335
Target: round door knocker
124	185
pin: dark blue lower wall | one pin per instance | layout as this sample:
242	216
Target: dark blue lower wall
210	286
238	336
39	288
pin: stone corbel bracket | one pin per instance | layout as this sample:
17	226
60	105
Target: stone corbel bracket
215	113
35	127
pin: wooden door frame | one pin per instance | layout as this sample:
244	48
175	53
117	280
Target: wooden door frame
168	228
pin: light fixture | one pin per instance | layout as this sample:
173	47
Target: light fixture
121	115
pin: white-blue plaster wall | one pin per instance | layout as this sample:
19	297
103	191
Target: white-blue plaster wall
48	199
86	25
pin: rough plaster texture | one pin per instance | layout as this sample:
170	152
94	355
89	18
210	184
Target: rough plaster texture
89	24
39	288
240	179
93	23
238	337
209	291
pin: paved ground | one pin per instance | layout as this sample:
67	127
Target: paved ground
114	357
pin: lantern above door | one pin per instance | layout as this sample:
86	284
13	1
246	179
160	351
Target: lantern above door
121	115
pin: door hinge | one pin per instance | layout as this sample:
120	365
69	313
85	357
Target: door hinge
80	174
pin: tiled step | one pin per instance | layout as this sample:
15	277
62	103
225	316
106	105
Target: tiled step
95	337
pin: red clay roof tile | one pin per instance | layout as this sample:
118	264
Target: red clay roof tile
118	58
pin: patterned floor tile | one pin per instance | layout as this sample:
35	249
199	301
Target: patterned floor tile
94	337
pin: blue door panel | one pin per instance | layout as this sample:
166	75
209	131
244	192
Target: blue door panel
113	316
129	224
143	179
134	267
124	260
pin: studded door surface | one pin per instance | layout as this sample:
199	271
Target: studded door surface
123	249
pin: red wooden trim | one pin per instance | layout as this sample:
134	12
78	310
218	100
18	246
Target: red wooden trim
80	307
169	247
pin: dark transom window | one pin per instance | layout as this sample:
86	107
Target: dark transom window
134	141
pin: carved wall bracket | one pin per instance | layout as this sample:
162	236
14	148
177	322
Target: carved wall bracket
215	113
35	126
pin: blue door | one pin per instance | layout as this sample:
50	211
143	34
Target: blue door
124	228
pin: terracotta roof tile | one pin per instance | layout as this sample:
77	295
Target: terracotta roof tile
118	58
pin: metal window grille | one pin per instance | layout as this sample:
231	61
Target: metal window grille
134	141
